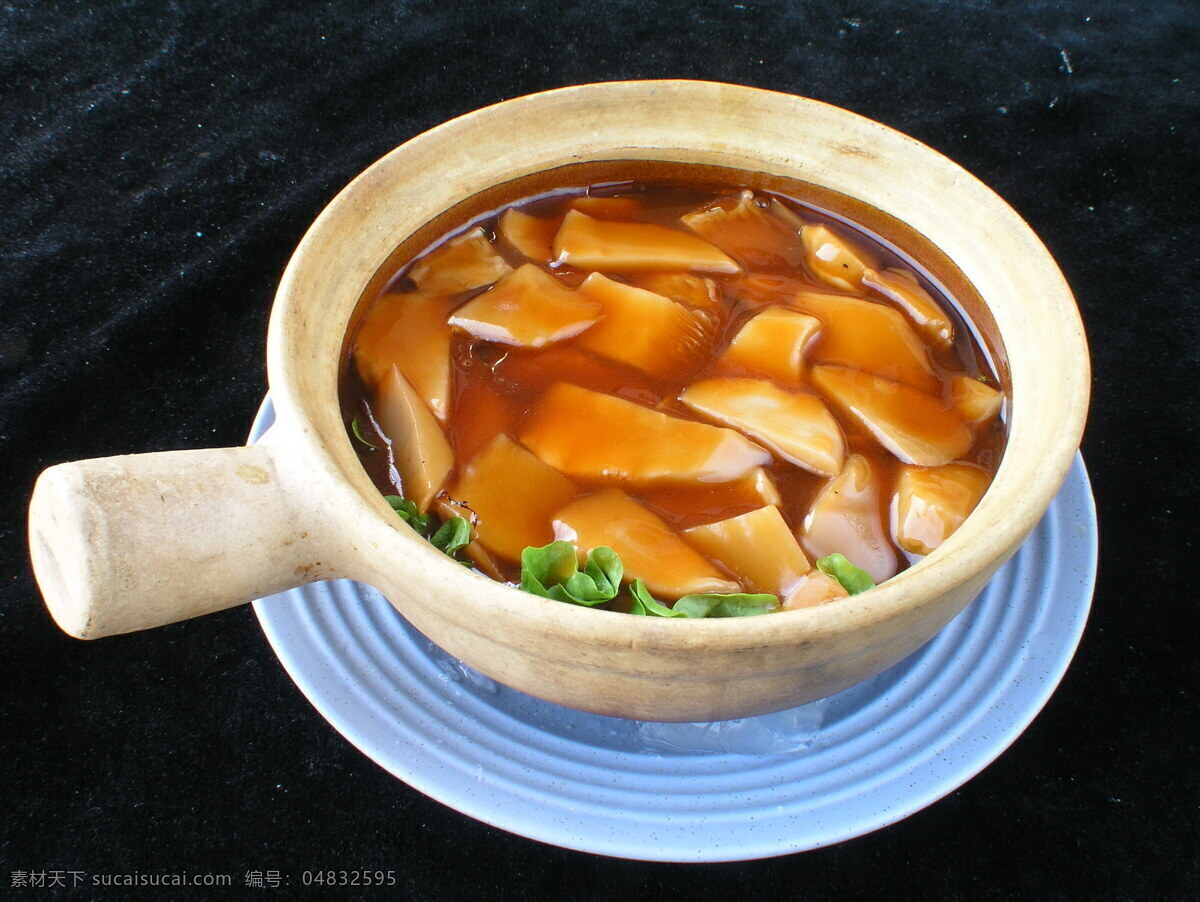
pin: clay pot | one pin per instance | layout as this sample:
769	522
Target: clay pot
127	543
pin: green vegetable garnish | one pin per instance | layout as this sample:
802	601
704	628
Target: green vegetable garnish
712	605
552	571
853	579
647	605
733	605
452	535
409	514
358	434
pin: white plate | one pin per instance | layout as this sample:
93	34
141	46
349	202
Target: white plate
754	788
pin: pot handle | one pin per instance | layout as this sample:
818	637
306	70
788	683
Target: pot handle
127	543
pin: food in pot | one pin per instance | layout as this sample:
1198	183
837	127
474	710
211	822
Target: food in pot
673	400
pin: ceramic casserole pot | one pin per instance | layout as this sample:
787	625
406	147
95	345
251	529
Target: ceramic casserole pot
126	543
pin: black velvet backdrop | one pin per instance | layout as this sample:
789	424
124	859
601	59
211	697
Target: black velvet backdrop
160	161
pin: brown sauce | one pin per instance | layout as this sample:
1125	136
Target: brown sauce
479	386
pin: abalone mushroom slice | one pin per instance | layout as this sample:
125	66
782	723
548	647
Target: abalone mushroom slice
757	547
463	263
796	426
932	502
591	435
527	308
421	454
835	259
584	242
916	427
649	549
846	519
513	495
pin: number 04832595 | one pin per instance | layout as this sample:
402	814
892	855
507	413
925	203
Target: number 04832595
359	877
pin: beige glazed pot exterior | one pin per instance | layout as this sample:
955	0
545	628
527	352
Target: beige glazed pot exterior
132	542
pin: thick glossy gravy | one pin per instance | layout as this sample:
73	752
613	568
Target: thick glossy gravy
479	384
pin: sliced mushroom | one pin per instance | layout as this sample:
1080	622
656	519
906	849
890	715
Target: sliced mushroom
846	519
748	230
932	502
645	330
773	343
757	547
902	288
814	588
976	402
607	246
530	235
586	434
868	335
527	308
649	549
513	496
409	331
835	259
798	427
461	264
693	504
916	427
693	290
420	451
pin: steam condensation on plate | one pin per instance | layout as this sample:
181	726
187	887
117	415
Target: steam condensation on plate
782	733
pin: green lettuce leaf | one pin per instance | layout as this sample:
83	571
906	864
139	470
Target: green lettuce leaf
452	536
552	571
733	605
853	579
408	513
647	605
